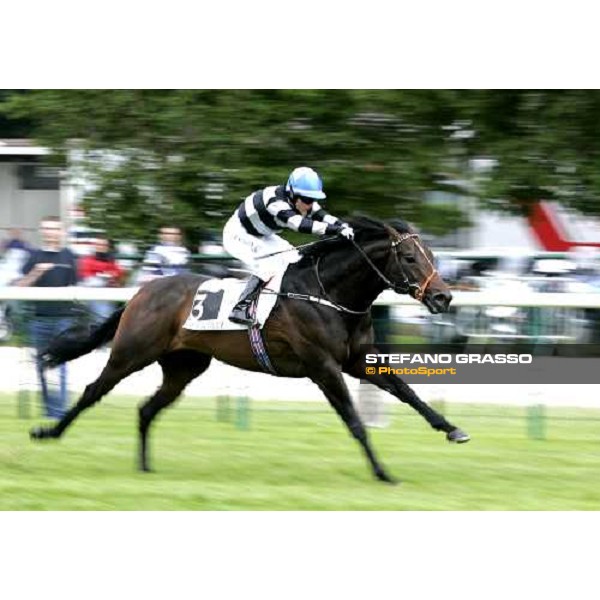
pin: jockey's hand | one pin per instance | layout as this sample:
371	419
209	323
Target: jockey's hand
347	232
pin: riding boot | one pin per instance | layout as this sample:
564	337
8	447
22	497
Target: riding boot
241	311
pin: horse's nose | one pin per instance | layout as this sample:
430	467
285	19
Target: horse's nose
441	300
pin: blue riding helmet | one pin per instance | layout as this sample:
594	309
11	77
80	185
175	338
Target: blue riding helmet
306	183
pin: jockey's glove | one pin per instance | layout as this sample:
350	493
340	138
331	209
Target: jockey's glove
347	232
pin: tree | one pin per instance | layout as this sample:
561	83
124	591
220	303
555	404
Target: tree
190	156
547	146
12	127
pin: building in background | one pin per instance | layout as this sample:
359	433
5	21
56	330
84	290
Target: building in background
30	188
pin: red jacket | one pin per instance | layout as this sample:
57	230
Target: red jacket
91	266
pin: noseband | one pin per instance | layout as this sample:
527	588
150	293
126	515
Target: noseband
406	286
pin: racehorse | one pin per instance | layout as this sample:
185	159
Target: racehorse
320	328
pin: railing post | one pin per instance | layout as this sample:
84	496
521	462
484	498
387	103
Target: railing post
536	421
23	411
223	408
242	413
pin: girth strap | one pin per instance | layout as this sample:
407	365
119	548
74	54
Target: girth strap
257	343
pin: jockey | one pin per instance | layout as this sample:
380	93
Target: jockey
250	233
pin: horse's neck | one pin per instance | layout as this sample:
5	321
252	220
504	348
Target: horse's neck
352	283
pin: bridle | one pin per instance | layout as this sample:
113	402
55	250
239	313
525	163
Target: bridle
406	285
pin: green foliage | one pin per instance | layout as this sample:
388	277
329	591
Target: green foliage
13	127
547	143
190	156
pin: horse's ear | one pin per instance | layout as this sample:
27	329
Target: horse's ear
401	226
391	231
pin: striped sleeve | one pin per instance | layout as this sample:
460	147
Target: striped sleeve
320	214
287	217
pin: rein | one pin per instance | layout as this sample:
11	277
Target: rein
326	301
336	305
406	285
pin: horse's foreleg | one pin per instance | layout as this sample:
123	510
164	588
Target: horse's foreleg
179	368
164	396
332	384
401	390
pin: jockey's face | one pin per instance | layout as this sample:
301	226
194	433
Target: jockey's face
302	206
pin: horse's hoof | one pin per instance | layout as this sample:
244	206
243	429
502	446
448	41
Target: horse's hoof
42	433
387	478
458	436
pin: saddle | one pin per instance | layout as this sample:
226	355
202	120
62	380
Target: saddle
216	298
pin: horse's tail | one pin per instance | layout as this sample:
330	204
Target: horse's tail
74	342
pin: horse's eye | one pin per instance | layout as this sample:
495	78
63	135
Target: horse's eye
410	259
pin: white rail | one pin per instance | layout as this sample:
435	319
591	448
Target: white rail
66	293
485	298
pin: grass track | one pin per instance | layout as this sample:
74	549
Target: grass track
300	458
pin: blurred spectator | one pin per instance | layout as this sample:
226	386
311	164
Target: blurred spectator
168	257
127	253
175	256
15	241
11	266
101	270
52	265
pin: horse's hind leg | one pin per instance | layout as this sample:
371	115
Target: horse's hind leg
179	368
115	370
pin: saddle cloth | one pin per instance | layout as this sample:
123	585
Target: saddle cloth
215	299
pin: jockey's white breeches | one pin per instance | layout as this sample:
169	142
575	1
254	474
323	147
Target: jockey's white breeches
253	250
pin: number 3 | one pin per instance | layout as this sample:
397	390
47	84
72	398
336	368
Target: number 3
198	308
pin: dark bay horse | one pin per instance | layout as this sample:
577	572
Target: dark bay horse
304	338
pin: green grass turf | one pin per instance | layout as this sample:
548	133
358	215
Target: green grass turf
300	457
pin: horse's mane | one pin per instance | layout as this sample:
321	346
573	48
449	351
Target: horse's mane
366	229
